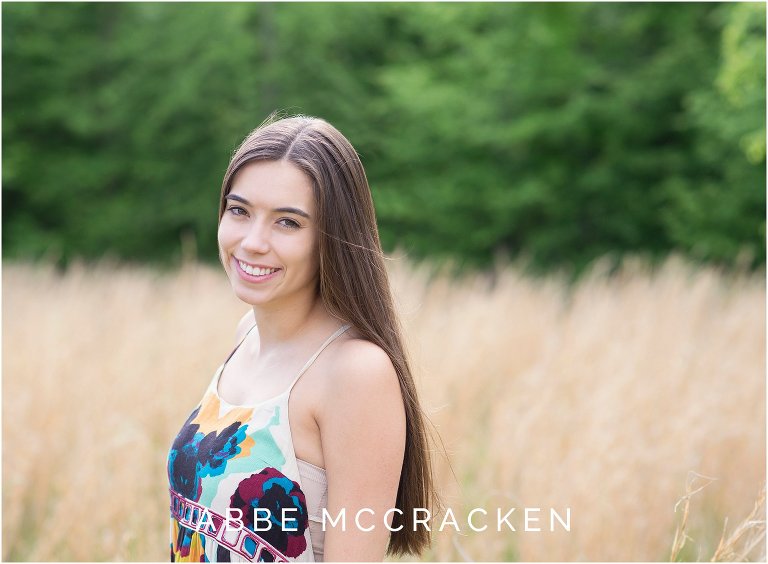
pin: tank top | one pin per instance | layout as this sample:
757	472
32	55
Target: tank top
235	486
316	491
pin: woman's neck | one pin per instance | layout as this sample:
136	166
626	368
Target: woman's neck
281	326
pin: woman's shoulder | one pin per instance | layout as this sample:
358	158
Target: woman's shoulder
361	404
244	325
360	368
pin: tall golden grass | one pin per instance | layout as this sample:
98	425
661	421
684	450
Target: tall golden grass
602	397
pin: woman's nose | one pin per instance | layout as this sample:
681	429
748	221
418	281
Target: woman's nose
257	238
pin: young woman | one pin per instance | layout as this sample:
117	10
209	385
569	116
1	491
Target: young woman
309	443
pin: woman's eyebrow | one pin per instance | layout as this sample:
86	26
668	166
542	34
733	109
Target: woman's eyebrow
296	211
237	199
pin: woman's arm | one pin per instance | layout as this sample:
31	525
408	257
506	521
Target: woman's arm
362	429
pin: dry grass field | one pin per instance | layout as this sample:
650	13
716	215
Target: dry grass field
604	398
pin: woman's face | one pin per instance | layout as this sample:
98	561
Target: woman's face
268	233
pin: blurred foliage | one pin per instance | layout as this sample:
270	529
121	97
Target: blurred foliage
559	132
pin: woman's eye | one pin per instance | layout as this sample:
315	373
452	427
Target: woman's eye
289	223
235	210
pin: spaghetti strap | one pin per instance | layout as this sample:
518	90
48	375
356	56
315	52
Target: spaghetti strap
238	345
327	342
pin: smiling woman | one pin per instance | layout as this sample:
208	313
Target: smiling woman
286	434
265	234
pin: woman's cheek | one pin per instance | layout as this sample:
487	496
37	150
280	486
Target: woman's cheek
222	244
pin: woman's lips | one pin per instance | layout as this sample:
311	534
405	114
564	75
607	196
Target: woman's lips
253	277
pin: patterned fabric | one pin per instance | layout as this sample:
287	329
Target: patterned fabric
238	462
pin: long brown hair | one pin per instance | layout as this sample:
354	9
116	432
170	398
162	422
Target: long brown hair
353	281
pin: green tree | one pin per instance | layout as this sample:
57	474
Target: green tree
717	211
560	131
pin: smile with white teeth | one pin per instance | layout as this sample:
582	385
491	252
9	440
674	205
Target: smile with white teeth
256	271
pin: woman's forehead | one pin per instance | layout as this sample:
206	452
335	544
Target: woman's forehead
273	182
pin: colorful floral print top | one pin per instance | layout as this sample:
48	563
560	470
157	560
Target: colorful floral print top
235	488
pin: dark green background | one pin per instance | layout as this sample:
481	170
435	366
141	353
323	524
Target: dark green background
557	132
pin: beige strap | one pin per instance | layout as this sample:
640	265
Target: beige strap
328	341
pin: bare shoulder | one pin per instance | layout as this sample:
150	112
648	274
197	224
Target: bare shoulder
363	365
245	323
361	372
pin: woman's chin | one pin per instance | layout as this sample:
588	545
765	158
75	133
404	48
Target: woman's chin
253	298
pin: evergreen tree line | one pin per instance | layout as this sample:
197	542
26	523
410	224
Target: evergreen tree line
560	132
